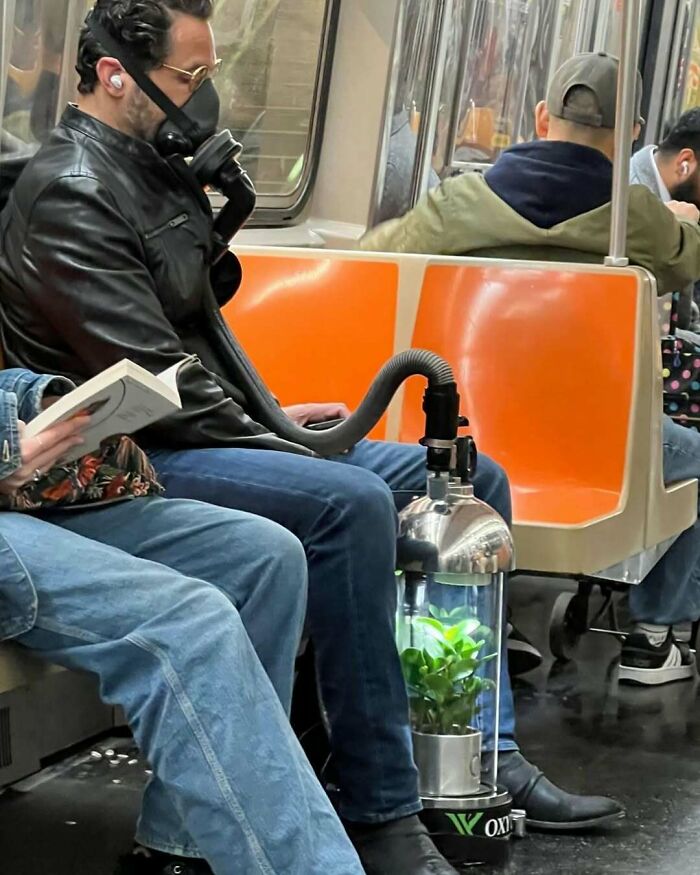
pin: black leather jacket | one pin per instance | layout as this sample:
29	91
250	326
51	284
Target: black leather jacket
104	255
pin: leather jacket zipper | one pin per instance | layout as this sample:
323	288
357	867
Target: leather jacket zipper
173	223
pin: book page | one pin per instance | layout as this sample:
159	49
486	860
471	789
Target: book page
121	400
169	376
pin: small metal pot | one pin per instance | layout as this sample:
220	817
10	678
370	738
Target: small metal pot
448	765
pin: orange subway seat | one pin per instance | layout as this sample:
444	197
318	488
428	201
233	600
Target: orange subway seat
545	363
317	328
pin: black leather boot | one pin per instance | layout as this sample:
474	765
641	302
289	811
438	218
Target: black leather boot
402	847
548	807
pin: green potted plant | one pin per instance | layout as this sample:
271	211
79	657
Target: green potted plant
445	687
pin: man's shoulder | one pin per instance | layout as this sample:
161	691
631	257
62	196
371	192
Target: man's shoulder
642	198
56	165
60	172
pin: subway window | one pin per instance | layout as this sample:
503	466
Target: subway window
269	86
514	47
34	45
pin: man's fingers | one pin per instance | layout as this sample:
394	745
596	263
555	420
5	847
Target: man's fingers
46	461
45	442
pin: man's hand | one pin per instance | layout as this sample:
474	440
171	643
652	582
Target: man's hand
682	210
41	453
307	414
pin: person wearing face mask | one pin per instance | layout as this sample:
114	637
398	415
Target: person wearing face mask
672	172
108	244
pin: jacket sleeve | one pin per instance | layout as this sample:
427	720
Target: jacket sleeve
429	228
21	394
30	389
94	288
665	245
10	451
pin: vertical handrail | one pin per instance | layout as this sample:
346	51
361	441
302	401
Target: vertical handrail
460	84
583	41
429	116
624	125
397	52
600	39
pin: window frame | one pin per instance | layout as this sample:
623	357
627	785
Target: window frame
274	210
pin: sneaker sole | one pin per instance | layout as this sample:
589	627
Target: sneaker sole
652	677
572	826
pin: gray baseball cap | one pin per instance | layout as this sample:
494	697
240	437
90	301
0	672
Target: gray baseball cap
598	73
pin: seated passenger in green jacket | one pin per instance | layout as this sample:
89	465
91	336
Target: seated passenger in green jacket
550	200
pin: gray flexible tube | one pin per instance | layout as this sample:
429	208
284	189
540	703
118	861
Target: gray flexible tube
266	410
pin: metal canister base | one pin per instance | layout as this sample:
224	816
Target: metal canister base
472	829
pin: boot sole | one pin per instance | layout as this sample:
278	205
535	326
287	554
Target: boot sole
572	826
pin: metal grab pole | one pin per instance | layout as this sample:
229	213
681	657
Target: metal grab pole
429	115
624	124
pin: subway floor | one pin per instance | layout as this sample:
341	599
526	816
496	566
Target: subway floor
585	732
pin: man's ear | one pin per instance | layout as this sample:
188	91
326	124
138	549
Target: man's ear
542	120
686	164
111	76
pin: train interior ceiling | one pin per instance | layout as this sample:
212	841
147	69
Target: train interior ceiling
315	90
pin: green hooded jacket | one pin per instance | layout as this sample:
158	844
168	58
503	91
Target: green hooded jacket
463	216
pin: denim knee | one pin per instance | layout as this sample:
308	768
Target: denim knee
285	549
368	500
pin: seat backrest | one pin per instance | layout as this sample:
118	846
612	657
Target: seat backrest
546	365
317	326
558	367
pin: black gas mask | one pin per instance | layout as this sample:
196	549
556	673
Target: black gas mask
190	131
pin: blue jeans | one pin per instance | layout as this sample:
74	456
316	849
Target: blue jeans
670	593
191	616
344	513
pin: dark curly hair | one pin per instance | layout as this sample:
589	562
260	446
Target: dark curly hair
682	134
142	25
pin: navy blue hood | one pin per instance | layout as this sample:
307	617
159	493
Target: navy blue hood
548	182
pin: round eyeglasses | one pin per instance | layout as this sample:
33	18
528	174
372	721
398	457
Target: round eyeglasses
198	77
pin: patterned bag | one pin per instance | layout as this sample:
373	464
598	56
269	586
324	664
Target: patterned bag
681	367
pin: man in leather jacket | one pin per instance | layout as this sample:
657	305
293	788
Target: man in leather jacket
105	254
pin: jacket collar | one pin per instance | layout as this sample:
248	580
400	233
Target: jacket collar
77	120
549	182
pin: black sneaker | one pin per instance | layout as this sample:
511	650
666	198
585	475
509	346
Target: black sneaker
642	662
145	862
523	656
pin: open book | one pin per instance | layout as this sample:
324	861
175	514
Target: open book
121	400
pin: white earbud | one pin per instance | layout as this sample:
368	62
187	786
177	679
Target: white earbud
116	81
685	168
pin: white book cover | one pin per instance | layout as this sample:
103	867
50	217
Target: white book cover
121	400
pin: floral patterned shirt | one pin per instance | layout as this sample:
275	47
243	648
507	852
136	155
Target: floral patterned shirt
119	470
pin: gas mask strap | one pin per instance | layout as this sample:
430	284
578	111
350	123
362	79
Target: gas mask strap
189	128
